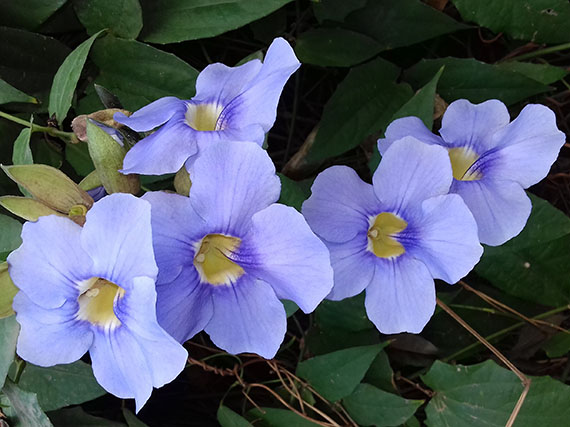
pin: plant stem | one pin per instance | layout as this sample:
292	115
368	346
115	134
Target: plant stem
541	52
503	332
64	136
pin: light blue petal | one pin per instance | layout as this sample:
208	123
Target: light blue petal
50	262
120	366
401	296
117	236
248	318
164	151
448	242
50	336
219	84
152	115
176	227
257	103
290	257
501	208
248	134
473	125
230	182
184	305
353	267
526	148
410	172
164	356
340	204
407	126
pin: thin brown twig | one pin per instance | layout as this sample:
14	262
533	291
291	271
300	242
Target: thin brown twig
524	379
428	393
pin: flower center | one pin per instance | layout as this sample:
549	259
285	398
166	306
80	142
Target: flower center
381	235
97	302
462	158
203	117
213	259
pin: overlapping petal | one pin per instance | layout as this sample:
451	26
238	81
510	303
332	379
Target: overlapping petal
340	204
407	126
501	208
230	183
411	172
290	258
152	115
50	262
248	317
117	236
401	297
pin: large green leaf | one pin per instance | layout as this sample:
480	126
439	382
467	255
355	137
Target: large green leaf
66	79
533	265
335	10
9	329
397	23
29	60
335	47
76	416
336	375
485	394
542	73
272	417
138	73
61	385
11	94
22	407
539	21
122	18
29	14
169	21
228	418
10	231
363	104
293	193
369	405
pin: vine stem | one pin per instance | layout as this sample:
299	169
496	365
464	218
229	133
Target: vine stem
540	52
524	379
64	136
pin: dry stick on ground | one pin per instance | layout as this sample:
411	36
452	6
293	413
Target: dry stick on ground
524	379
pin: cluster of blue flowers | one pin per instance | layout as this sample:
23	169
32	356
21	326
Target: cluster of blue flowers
144	275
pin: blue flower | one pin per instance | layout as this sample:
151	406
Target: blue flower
93	289
231	104
227	253
493	160
394	237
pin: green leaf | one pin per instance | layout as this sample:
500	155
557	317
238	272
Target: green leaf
78	156
228	418
66	79
128	66
293	193
61	385
369	405
11	94
29	14
335	10
397	23
488	393
22	407
533	265
558	345
22	154
335	47
348	314
9	330
132	420
474	80
7	292
272	417
290	307
336	375
76	416
542	73
170	21
123	18
362	105
539	21
30	61
380	373
107	156
10	231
